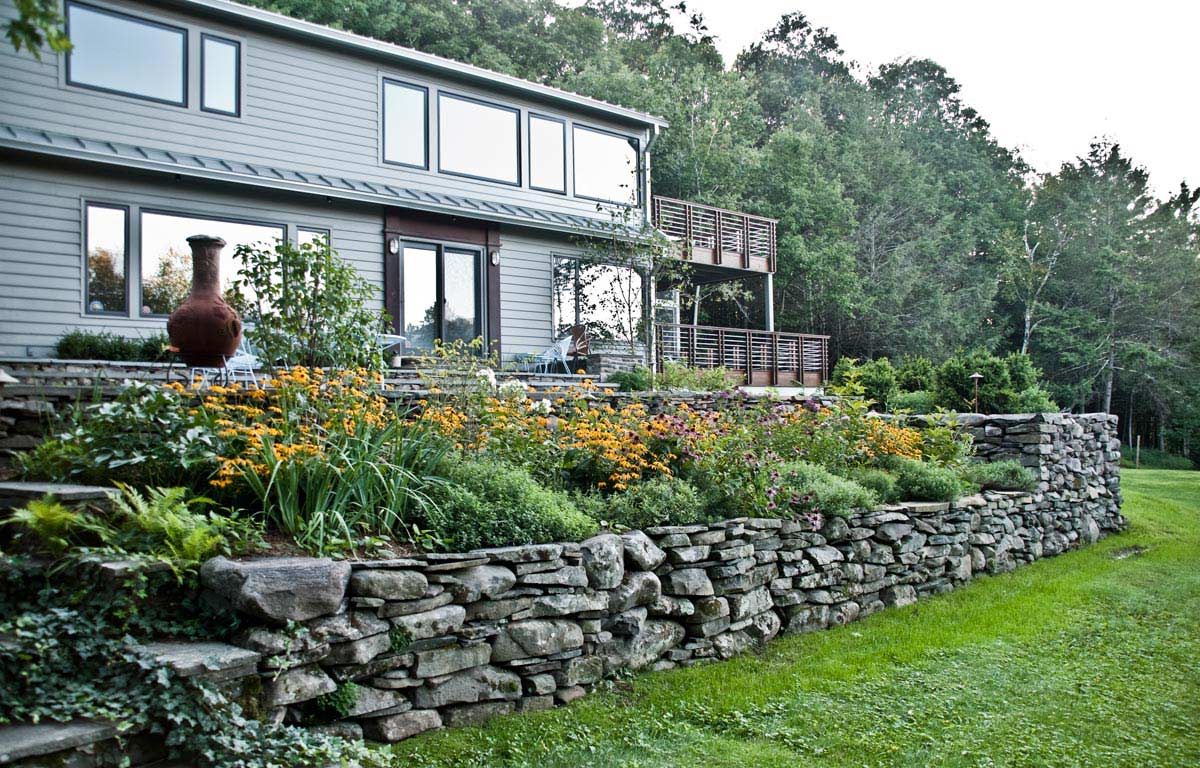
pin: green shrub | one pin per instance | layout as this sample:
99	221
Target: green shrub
920	402
658	501
1022	373
918	481
146	436
675	376
877	378
954	389
1033	400
1009	384
311	307
882	484
1007	475
915	374
804	488
92	345
491	504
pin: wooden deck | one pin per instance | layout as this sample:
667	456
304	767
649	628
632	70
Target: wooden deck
762	358
716	236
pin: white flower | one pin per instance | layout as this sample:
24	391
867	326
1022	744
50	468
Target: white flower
512	388
487	375
541	406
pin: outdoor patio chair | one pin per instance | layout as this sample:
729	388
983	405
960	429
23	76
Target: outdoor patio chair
555	355
241	367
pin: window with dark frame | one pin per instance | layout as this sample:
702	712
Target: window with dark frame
166	260
547	154
405	124
220	75
478	139
606	299
441	293
118	53
106	258
606	166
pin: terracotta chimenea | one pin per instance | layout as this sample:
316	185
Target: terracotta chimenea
204	328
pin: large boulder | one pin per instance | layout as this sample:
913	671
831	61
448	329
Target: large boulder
278	589
642	551
656	638
402	726
638	588
536	638
474	685
389	585
603	560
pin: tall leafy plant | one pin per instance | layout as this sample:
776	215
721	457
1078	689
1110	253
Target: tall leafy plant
304	305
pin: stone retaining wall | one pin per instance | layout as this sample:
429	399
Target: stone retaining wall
453	639
443	640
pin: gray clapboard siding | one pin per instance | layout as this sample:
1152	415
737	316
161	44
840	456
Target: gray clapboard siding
307	108
41	264
526	288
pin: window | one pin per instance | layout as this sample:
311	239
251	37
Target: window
313	237
440	294
478	140
547	154
605	298
220	81
405	123
167	260
106	254
606	166
127	55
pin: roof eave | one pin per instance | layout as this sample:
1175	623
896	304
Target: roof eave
417	59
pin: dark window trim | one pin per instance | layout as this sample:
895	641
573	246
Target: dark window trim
529	131
439	249
87	205
515	110
138	20
324	232
633	141
577	266
424	166
142	211
237	74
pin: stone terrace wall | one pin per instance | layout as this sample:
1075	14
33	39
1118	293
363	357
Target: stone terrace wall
453	639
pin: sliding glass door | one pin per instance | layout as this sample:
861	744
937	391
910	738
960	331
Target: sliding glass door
441	294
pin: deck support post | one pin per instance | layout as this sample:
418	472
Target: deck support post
769	301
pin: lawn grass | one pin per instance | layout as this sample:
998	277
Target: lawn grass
1088	659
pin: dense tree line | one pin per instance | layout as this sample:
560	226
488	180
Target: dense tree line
906	229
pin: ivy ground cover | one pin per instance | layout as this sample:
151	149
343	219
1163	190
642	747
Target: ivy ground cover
1086	659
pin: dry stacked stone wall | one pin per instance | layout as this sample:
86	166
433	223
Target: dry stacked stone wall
454	639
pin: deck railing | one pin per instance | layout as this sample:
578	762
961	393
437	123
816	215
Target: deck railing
717	236
763	358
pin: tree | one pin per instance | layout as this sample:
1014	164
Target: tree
38	24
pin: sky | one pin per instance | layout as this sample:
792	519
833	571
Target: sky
1049	75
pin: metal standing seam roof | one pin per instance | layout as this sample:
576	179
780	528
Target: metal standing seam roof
129	155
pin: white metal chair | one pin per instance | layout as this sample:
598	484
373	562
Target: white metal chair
242	366
556	354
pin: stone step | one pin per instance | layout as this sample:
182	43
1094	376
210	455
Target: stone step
211	660
18	493
23	741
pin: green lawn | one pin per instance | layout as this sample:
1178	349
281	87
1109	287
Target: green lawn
1088	659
